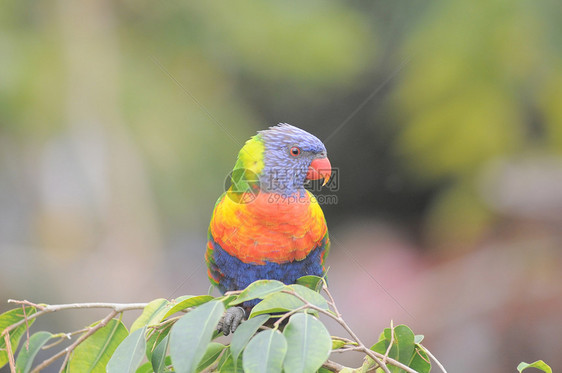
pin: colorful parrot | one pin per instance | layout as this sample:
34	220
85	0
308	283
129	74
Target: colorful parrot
267	225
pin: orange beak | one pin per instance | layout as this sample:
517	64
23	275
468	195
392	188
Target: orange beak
320	168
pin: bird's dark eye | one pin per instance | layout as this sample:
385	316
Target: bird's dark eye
295	151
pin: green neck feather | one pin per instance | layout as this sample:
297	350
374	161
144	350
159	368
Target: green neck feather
249	165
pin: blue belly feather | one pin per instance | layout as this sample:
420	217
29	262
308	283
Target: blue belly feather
237	275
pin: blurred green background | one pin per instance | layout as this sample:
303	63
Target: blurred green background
119	122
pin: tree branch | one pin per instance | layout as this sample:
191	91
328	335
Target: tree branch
332	301
9	352
90	330
62	337
372	354
43	309
347	349
342	322
289	314
332	366
48	308
354	344
434	359
391	342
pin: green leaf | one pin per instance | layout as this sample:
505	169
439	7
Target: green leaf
145	368
25	358
228	365
129	354
539	364
191	335
94	353
187	303
179	299
265	352
9	318
226	299
402	348
420	361
259	289
152	314
338	342
244	333
275	303
348	370
211	355
158	358
224	357
381	346
405	339
418	338
309	344
283	302
311	282
310	295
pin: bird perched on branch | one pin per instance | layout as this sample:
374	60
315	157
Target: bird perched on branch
267	225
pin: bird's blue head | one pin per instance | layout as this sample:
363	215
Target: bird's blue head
291	156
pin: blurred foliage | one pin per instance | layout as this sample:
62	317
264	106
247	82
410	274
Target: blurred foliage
470	95
480	87
190	82
120	121
189	138
321	44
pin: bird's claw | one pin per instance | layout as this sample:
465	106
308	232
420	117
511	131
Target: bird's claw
230	320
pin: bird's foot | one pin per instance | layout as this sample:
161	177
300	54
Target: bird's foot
231	319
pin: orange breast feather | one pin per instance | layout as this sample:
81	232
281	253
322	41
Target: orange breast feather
270	229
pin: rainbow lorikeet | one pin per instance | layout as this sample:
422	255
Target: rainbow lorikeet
267	225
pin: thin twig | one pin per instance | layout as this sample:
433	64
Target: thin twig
26	327
379	359
345	340
332	366
164	323
289	314
159	328
396	363
59	340
348	349
64	336
341	321
391	342
424	358
27	303
212	368
48	308
67	351
119	307
9	352
434	359
332	301
372	354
